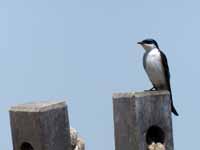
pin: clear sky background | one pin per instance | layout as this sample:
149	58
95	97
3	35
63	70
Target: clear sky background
84	51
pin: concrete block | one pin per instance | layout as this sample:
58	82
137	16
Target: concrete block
40	126
141	118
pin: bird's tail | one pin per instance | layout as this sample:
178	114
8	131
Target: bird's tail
172	105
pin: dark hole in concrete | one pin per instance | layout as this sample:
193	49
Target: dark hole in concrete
26	146
155	134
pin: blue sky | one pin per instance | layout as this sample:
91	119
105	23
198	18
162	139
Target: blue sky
84	51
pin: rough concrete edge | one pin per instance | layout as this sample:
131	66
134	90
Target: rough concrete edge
24	108
139	94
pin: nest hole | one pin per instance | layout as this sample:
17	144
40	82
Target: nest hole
155	134
26	146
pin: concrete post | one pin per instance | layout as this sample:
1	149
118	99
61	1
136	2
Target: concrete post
142	118
40	126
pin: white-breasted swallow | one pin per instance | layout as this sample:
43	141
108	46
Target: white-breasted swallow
156	67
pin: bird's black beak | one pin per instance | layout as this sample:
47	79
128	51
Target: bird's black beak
139	43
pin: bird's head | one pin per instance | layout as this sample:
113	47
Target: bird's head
149	44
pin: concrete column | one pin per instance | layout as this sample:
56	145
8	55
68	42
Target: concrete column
40	126
142	118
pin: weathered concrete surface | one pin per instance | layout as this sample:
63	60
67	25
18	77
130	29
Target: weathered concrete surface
141	118
40	126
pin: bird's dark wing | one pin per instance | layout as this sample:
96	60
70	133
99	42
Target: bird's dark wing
165	65
167	76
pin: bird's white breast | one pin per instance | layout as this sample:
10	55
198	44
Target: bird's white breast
154	68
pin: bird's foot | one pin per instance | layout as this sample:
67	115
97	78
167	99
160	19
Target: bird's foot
151	89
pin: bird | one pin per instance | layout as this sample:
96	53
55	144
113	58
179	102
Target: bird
156	66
